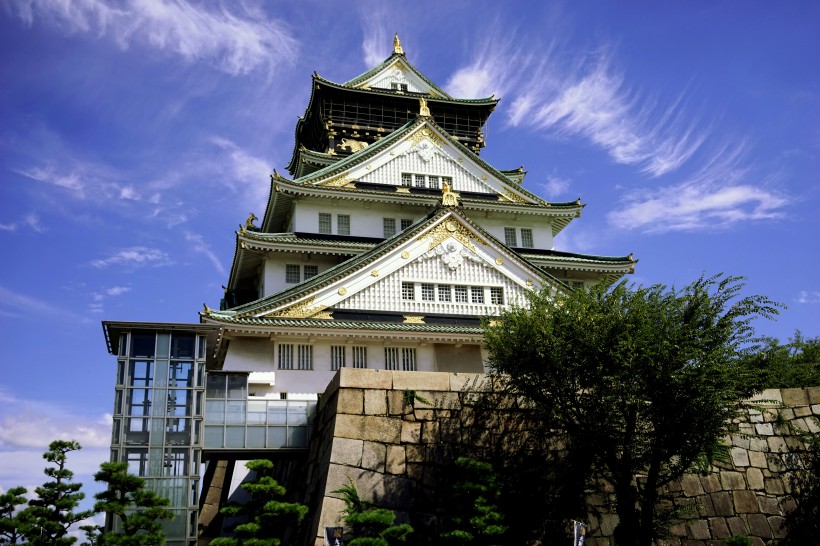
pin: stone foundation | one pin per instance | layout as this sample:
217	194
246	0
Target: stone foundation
386	431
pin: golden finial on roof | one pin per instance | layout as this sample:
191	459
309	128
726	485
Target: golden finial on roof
423	109
448	198
397	45
251	219
276	175
206	310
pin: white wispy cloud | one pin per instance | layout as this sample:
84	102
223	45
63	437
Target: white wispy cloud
717	195
555	186
807	296
250	174
49	174
201	247
30	221
375	35
97	298
135	256
234	40
14	304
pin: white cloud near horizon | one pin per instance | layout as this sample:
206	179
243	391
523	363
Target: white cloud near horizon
236	43
201	247
806	296
135	256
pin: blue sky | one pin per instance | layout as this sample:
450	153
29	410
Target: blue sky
137	134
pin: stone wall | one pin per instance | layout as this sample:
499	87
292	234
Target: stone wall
388	432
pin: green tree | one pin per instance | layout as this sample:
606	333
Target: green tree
792	364
472	514
370	526
11	526
803	523
50	516
265	515
136	511
639	382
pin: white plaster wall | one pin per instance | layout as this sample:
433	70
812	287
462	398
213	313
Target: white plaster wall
366	219
440	164
274	268
541	229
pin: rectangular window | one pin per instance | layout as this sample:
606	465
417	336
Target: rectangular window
343	224
526	238
311	271
445	292
509	237
432	181
419	180
305	357
292	274
406	179
461	294
408	291
285	356
406	223
408	359
137	459
389	227
477	294
497	295
325	223
391	358
337	357
359	356
428	292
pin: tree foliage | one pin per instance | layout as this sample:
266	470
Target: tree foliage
472	514
803	523
370	526
639	382
792	364
50	515
263	513
137	510
11	525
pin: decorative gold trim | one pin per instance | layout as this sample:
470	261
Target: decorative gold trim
414	319
529	282
397	45
374	273
499	261
448	197
205	309
451	228
302	309
424	110
514	197
425	133
341	181
405	254
342	291
402	189
323	315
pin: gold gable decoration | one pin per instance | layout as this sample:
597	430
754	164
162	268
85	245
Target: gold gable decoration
425	133
303	309
454	229
514	197
341	181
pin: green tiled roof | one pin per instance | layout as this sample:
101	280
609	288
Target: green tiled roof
348	324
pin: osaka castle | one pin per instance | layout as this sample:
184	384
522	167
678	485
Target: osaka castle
384	246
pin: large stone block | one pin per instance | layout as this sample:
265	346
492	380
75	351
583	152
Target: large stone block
813	394
719	528
759	526
740	457
710	483
757	459
773	486
764	429
373	456
350	401
722	502
430	432
346	451
769	505
737	526
732	480
421	381
754	477
365	378
410	432
795	397
475	382
699	530
375	402
691	485
745	502
382	429
778	526
395	462
332	515
349	426
758	445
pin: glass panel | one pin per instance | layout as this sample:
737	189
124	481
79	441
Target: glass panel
256	412
234	436
181	374
297	413
238	386
179	402
277	412
201	352
155	461
178	432
115	431
137	460
160	406
140	373
213	436
176	462
123	345
182	346
117	402
256	437
138	402
121	372
142	345
235	414
161	373
163	341
277	437
214	411
216	386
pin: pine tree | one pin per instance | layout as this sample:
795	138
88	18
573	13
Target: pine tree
473	516
50	516
369	525
264	511
138	510
11	526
